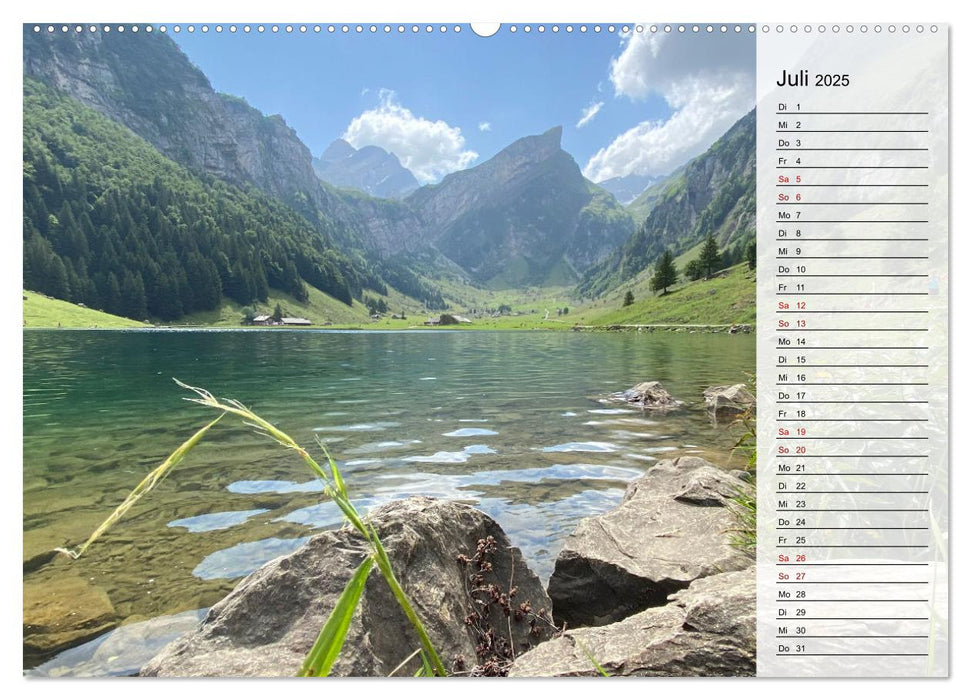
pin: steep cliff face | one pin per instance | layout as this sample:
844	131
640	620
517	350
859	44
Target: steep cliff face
389	225
526	215
371	170
146	83
713	194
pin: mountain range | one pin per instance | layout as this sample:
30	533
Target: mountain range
527	216
370	169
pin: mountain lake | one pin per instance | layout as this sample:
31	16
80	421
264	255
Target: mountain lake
512	422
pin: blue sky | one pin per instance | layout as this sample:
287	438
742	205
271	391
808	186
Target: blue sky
446	101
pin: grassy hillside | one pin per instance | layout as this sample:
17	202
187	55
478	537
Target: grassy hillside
44	312
726	299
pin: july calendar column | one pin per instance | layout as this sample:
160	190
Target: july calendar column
852	350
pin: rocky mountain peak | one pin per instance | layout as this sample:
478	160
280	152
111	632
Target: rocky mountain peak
337	150
534	148
370	169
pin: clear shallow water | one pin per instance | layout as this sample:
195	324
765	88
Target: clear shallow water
510	422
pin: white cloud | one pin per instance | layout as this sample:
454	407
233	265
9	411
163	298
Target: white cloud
589	113
485	126
429	149
708	81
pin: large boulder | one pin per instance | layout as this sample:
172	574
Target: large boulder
647	395
672	528
706	630
728	401
266	626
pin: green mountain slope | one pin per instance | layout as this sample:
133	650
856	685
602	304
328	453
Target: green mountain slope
645	201
728	297
713	194
111	222
41	311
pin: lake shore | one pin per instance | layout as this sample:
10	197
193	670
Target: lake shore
731	328
725	300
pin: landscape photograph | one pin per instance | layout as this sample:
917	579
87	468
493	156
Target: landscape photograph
388	350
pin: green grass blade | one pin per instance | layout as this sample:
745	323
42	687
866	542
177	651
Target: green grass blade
350	512
330	641
151	480
328	645
404	663
426	669
586	652
334	471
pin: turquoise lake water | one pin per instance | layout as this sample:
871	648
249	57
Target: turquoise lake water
512	422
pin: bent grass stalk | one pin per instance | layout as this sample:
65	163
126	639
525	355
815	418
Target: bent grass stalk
330	641
151	480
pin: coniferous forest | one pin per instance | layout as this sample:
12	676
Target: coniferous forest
111	223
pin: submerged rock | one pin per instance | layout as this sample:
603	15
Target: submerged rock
648	395
706	630
62	612
266	626
671	528
727	401
121	652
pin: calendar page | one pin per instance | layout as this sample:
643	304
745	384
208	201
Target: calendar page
564	349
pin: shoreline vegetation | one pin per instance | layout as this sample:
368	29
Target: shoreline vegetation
724	303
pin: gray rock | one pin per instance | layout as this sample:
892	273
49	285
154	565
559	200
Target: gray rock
741	474
728	401
648	395
706	630
671	529
266	626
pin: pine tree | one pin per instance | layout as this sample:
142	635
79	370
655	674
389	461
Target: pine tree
58	285
693	270
750	255
133	304
709	257
665	274
629	298
112	294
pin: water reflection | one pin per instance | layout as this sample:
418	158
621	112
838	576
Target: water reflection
245	557
215	521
